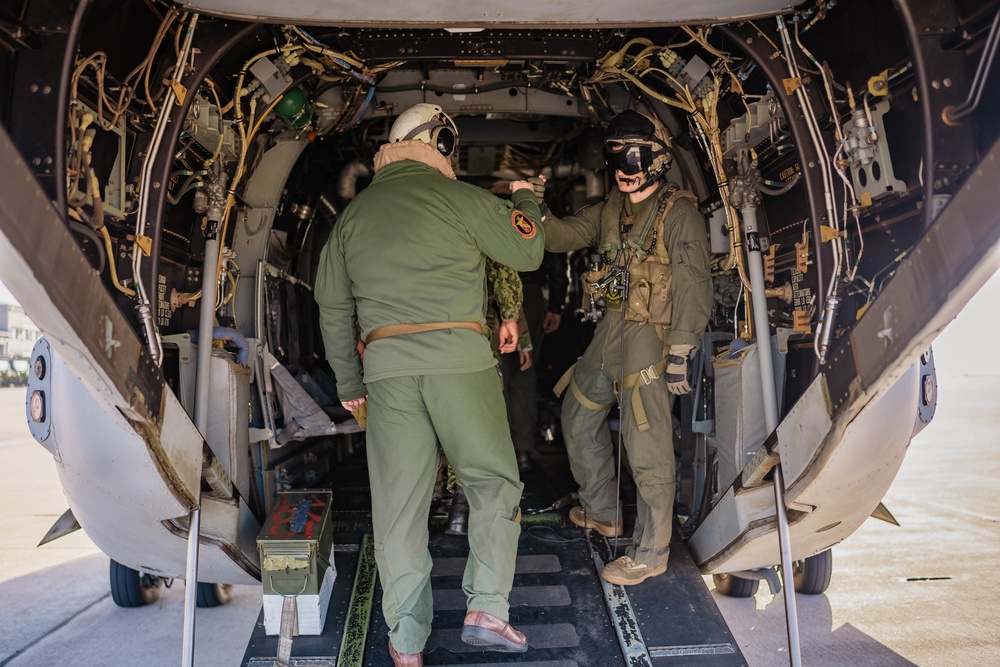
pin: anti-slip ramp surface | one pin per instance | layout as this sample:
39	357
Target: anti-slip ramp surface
558	599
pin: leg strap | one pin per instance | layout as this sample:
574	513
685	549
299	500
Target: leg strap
569	379
647	376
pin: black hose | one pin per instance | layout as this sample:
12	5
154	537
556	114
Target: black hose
85	230
68	65
774	192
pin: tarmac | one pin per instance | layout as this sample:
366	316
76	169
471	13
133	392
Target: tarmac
909	595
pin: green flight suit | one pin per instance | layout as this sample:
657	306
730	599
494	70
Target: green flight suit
410	249
650	452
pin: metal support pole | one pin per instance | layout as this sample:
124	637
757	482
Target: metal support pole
755	266
787	574
206	322
755	269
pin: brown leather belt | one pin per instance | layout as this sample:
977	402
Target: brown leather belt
405	329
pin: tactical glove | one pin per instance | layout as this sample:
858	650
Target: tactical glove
678	373
538	185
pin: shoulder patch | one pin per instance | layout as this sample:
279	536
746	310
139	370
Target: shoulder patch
523	225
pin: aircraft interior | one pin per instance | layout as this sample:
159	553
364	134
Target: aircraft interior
174	170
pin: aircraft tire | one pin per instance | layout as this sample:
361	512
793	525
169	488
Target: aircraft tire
214	595
131	588
735	587
812	575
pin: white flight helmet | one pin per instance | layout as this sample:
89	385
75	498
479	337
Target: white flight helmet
428	123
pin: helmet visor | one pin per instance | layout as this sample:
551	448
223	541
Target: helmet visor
627	157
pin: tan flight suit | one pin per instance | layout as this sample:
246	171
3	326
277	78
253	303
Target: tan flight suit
669	303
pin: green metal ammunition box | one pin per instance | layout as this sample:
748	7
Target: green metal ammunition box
296	543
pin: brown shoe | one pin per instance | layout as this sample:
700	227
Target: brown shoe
488	631
405	659
579	516
626	572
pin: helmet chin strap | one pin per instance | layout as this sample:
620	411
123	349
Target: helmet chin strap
646	183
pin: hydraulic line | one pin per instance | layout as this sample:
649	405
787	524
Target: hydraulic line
817	138
145	193
953	114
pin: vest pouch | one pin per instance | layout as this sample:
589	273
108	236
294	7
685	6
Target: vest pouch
638	293
661	303
649	298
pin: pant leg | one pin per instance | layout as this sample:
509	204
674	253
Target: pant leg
522	407
467	411
587	435
520	387
650	453
534	314
402	463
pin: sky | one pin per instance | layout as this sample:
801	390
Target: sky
5	295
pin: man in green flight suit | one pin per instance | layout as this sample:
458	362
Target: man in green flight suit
656	281
405	262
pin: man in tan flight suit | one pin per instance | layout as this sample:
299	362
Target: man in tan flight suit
405	261
658	291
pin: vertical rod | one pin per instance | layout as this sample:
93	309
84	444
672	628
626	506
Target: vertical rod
206	322
191	583
787	573
755	265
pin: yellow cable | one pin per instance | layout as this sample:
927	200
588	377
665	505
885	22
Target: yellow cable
111	264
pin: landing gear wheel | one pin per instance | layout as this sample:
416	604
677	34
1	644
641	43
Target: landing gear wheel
812	575
132	588
214	595
735	587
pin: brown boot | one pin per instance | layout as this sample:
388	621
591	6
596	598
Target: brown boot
579	516
626	572
405	659
488	631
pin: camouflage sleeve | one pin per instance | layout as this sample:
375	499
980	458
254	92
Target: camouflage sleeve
505	288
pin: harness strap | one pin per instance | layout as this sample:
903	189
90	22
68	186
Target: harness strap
406	329
568	379
564	381
584	401
647	375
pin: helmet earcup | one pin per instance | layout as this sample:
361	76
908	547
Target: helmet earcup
445	140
